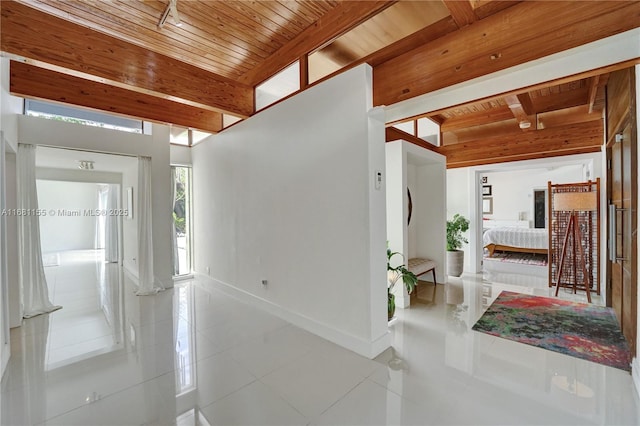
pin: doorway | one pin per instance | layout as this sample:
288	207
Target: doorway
182	232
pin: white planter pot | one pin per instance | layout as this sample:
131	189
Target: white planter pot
455	263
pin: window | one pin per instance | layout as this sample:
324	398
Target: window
277	87
187	137
87	117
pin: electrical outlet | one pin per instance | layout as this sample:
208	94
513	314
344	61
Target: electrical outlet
264	282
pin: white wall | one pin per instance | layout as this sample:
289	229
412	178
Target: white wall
512	191
288	196
36	130
180	155
10	107
5	341
60	232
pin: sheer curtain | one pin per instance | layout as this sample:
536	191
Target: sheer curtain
147	283
111	225
174	235
35	292
107	222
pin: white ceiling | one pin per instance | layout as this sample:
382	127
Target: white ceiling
59	158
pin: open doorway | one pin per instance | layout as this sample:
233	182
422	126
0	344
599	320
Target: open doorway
181	241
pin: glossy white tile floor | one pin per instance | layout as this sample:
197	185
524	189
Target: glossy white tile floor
194	356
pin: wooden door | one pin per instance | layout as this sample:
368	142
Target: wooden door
622	193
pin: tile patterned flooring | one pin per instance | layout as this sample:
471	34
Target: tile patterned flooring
194	356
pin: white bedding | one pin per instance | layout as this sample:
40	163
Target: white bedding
534	238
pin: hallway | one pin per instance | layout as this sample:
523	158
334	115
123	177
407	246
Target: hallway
195	356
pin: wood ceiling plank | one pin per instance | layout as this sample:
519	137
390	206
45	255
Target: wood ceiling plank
173	40
33	34
199	29
461	12
492	44
570	139
33	82
554	101
471	120
343	17
574	115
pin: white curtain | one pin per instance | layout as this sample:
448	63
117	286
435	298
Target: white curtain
147	284
174	235
35	292
111	225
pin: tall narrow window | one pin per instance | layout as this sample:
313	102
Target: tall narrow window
181	244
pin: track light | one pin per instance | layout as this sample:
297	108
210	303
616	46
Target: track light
172	8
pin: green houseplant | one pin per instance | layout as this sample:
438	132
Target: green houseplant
394	273
455	238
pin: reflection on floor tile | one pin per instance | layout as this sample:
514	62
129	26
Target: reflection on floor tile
194	356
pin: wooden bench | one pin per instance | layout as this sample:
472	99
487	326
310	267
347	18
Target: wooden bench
420	266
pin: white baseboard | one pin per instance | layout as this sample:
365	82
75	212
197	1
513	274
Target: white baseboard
635	374
369	349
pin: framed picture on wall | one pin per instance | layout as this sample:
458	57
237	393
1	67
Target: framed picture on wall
487	205
486	190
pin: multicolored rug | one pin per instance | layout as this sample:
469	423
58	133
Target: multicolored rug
577	329
522	258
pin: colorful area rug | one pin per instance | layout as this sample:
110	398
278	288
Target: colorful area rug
522	258
577	329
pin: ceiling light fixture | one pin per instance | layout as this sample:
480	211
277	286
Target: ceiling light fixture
524	124
172	8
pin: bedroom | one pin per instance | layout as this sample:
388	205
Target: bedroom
517	198
509	193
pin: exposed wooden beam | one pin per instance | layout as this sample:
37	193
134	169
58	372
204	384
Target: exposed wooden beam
482	117
461	12
570	139
34	82
516	35
593	91
578	114
526	102
484	8
518	112
32	34
393	134
345	16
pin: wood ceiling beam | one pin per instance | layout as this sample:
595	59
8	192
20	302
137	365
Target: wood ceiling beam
393	134
471	120
345	16
461	11
516	35
565	140
578	114
484	8
526	102
32	34
522	118
593	91
30	81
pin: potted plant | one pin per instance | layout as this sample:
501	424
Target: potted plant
455	238
394	273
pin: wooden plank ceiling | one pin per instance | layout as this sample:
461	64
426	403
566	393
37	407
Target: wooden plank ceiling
221	50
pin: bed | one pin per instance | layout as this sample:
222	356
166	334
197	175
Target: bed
516	239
